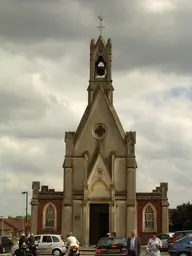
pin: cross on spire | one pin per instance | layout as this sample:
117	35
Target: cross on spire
100	27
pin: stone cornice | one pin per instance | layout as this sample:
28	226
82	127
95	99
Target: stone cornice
148	196
49	197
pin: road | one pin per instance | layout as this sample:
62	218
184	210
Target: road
142	254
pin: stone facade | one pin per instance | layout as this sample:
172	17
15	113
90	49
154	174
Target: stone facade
99	193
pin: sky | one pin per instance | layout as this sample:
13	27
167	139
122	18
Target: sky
44	73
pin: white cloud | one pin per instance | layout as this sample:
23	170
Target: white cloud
43	81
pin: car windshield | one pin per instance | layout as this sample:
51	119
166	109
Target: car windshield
182	234
181	240
112	241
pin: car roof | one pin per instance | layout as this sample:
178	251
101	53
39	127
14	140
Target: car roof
47	235
170	233
112	238
183	231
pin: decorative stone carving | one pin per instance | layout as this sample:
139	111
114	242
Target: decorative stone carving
35	187
99	173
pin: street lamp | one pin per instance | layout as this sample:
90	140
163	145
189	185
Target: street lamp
2	228
26	208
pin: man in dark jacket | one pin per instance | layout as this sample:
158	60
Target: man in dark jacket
31	244
22	241
133	245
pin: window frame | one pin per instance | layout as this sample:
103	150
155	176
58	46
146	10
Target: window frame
47	242
146	229
53	237
45	227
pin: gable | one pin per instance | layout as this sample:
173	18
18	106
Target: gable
100	112
99	172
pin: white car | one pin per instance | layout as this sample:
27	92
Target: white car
47	244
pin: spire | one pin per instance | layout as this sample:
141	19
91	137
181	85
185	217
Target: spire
100	66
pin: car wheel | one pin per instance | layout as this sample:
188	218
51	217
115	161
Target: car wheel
17	253
183	254
56	252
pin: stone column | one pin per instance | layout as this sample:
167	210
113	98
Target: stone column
34	216
34	206
87	231
66	219
131	200
165	216
67	202
84	223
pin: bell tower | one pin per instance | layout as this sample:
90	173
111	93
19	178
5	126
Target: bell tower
100	67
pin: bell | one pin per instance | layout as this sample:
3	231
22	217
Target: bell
100	71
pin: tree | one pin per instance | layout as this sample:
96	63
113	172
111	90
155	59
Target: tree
181	217
20	217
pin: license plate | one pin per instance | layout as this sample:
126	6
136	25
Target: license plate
114	250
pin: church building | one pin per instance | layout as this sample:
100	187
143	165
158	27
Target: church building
99	173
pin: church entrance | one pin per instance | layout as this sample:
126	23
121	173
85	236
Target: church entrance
99	222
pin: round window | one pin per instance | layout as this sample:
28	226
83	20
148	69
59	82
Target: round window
100	131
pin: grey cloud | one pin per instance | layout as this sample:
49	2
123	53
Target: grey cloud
32	20
141	40
17	106
53	37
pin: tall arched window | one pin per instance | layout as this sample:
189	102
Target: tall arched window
49	216
149	218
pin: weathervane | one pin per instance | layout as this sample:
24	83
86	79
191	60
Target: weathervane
100	27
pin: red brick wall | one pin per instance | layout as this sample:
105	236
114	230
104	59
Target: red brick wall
140	206
42	203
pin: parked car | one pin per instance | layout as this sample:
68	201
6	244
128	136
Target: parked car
182	247
178	235
47	244
111	246
5	244
164	239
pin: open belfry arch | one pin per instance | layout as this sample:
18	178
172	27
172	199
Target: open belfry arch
100	164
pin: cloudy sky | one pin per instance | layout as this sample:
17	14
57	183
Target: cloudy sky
44	72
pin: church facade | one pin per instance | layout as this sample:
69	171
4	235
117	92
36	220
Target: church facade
99	192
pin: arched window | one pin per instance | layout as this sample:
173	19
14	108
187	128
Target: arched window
149	218
49	216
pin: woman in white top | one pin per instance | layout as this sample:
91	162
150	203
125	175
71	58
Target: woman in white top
153	246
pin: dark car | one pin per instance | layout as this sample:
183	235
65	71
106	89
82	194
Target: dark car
182	247
116	246
178	235
5	244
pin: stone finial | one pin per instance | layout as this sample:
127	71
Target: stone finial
69	140
109	46
44	189
69	136
35	188
130	139
164	189
92	44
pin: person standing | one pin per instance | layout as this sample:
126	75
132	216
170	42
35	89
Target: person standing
133	245
153	246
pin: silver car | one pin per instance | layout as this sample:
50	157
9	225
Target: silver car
47	244
164	239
